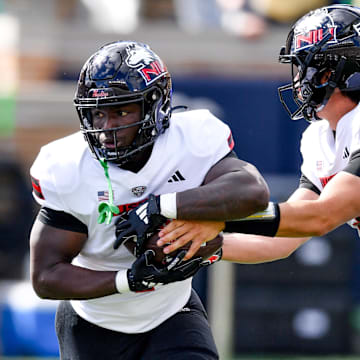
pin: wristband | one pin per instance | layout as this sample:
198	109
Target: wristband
168	205
261	223
121	281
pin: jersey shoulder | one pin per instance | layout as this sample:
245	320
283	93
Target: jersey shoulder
315	128
59	154
201	130
313	134
56	168
196	117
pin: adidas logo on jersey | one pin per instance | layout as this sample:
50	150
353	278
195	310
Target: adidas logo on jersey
346	153
176	177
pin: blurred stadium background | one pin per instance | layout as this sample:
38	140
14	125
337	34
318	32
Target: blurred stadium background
223	56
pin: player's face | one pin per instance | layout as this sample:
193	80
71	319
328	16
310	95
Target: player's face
115	116
318	78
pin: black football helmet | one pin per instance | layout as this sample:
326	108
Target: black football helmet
325	43
120	73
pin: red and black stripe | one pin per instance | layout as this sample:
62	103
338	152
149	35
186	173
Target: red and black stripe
37	188
231	141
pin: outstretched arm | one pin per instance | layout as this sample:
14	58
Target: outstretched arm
338	203
254	249
238	247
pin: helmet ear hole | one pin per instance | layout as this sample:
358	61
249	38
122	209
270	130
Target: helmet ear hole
153	95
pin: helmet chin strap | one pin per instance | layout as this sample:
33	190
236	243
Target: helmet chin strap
107	209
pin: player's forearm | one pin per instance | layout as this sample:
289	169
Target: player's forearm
336	205
231	196
253	249
306	218
300	218
66	281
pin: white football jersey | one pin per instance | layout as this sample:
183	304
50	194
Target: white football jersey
325	154
71	180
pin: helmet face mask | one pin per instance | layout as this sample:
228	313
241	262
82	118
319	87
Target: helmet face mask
323	48
119	74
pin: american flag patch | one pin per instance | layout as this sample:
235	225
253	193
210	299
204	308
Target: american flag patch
103	195
319	165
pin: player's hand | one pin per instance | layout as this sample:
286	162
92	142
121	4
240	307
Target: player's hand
141	276
178	270
182	270
143	220
180	232
144	275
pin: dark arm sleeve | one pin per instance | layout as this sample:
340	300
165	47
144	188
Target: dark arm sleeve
353	166
232	153
61	220
307	184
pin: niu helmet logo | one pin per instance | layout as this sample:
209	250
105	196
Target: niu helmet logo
313	36
147	65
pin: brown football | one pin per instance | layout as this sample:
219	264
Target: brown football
205	251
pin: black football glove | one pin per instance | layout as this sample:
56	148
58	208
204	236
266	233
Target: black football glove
141	276
214	258
144	275
178	270
142	221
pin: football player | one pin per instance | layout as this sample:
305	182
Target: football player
135	164
323	48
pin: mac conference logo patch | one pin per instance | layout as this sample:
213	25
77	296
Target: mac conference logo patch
138	190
